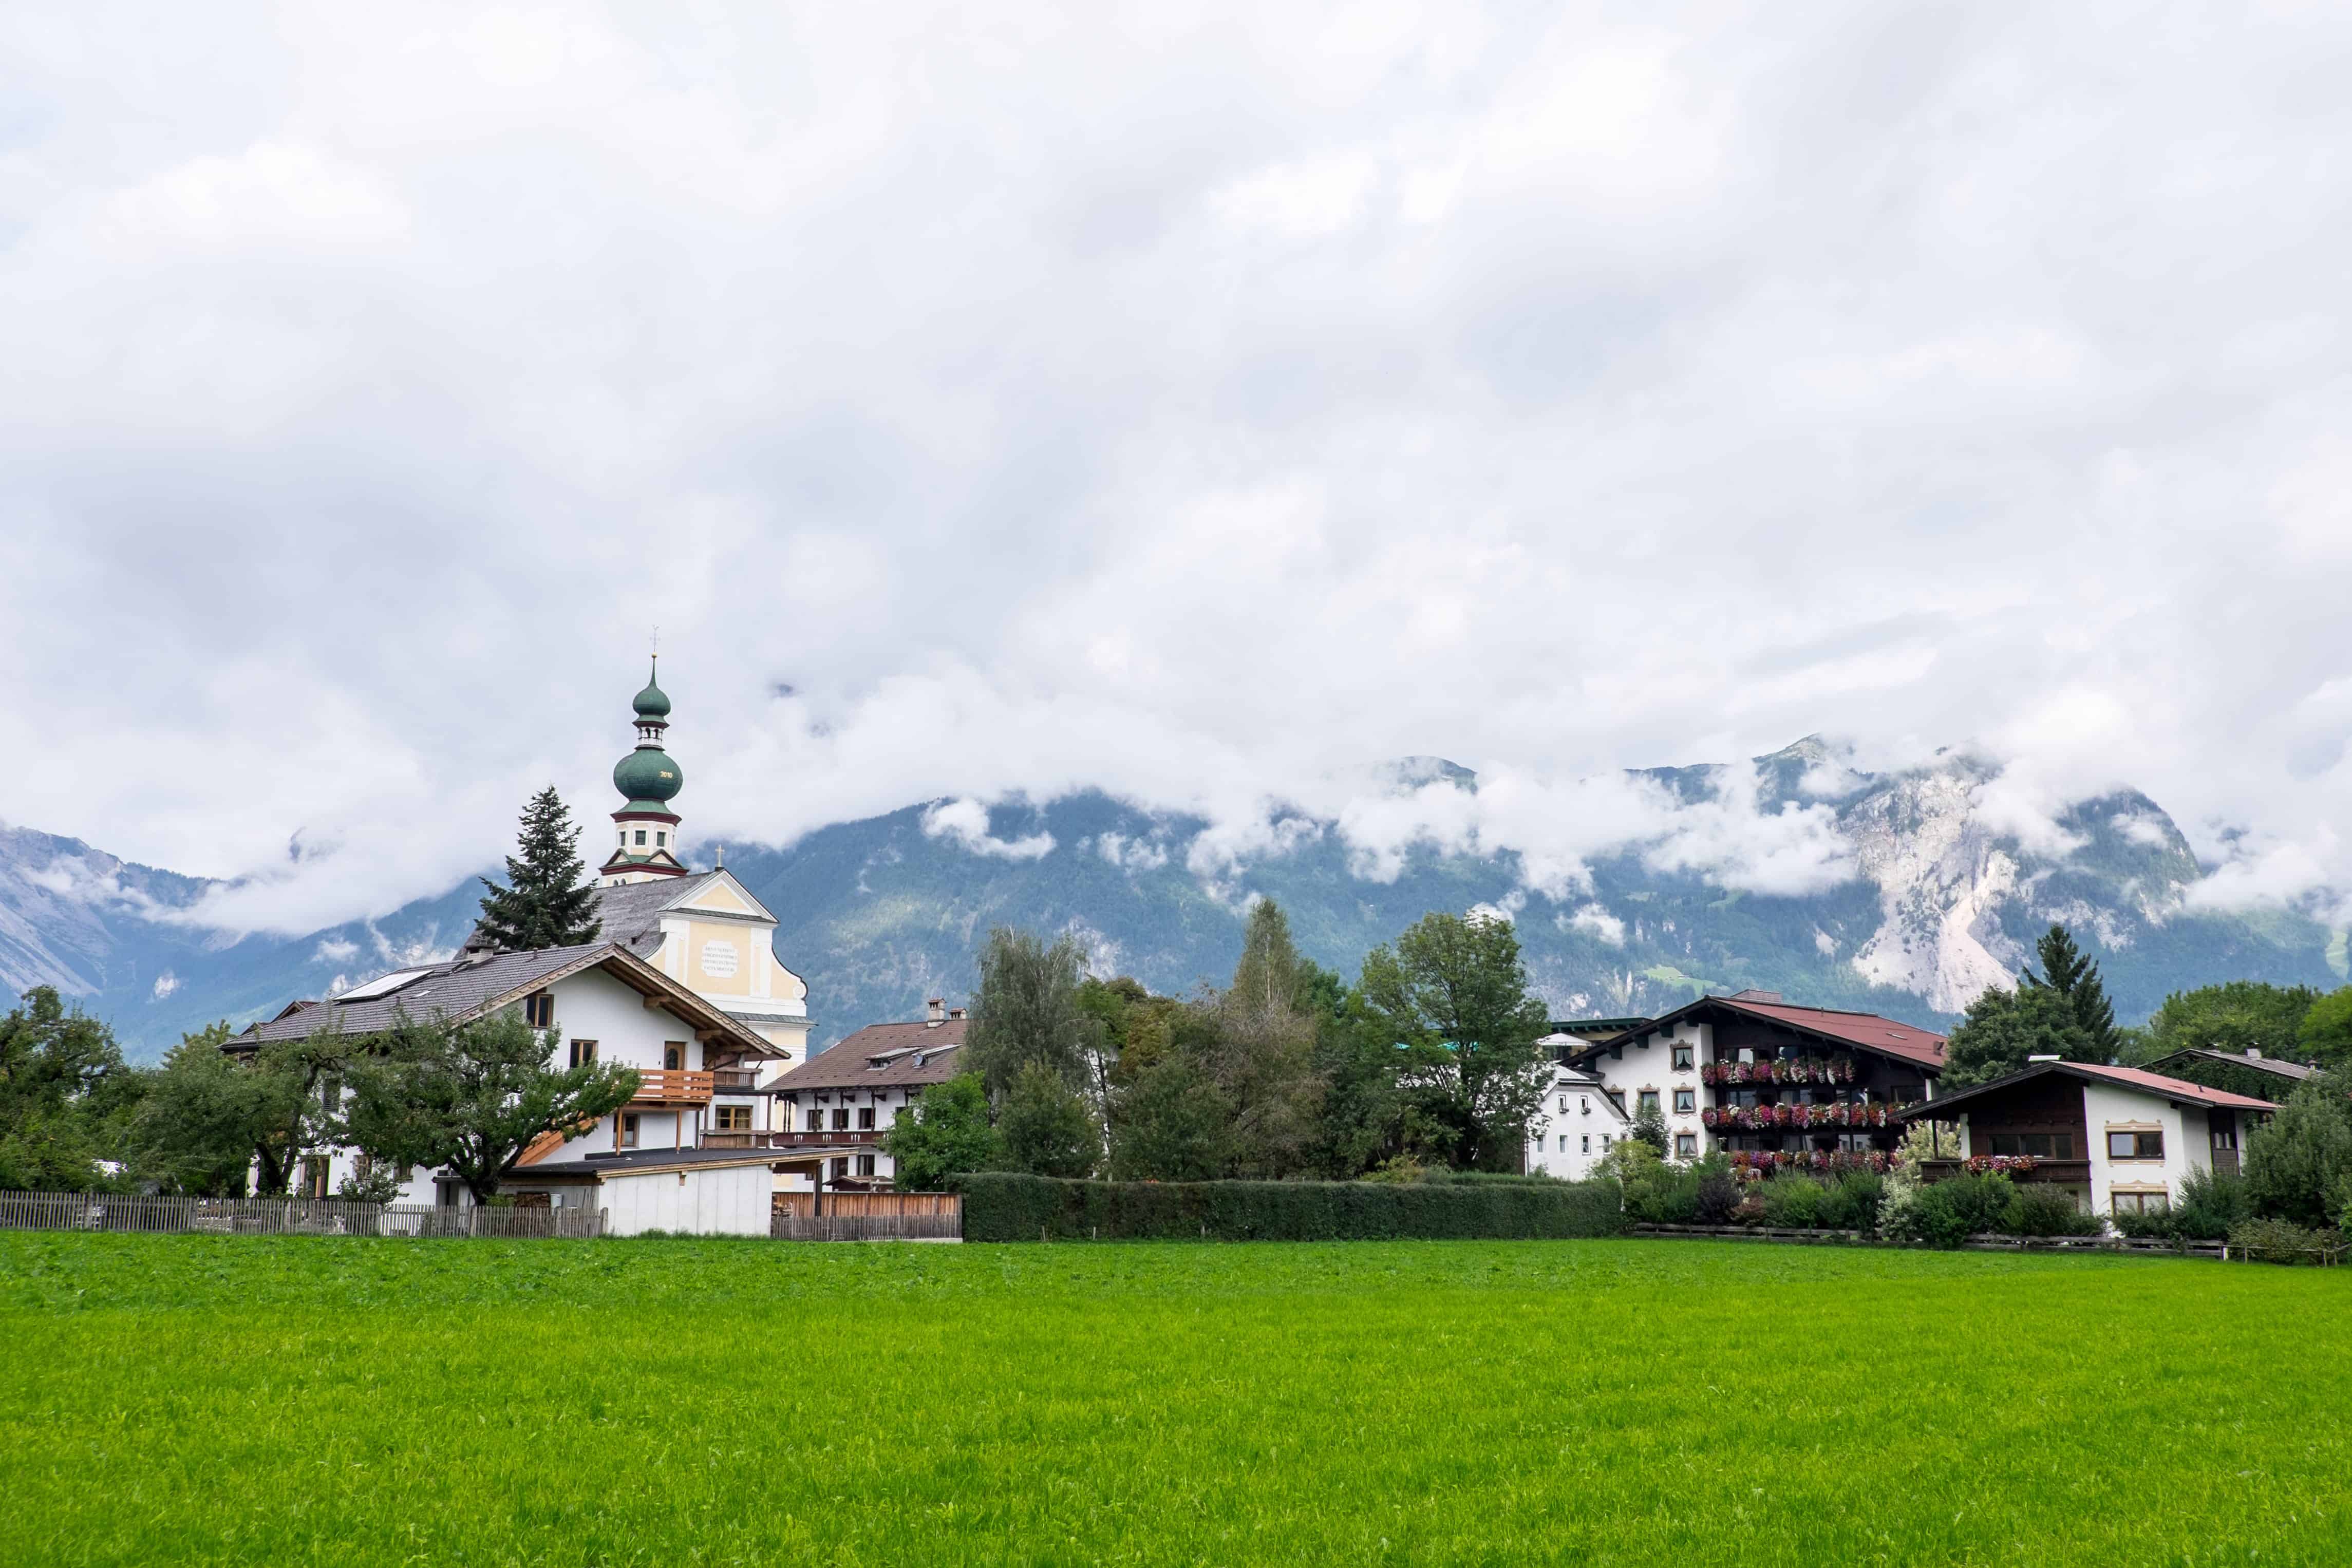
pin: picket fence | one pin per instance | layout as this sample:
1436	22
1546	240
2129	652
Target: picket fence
286	1217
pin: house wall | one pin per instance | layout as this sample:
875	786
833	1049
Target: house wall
1571	1133
1647	1063
729	1201
2187	1141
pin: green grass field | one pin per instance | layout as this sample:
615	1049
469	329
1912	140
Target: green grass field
192	1399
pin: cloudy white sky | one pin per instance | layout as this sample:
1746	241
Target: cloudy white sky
1187	400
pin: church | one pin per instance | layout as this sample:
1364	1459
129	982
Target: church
681	983
703	929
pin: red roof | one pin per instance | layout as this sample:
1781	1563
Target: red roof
1867	1030
2173	1088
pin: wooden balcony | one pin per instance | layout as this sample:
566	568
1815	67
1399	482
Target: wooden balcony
734	1079
669	1086
713	1138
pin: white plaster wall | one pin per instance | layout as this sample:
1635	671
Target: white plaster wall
1648	1063
731	1201
2187	1141
1576	1113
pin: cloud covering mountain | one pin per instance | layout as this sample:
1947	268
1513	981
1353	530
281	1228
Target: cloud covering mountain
1902	892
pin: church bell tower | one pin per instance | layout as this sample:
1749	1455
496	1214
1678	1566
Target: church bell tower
646	827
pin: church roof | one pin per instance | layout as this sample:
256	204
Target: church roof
471	985
629	913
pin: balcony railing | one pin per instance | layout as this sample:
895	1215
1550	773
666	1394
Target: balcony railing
671	1086
846	1138
734	1079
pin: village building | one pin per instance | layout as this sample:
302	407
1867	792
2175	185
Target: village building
2249	1072
1764	1080
839	1105
682	984
1578	1122
2121	1139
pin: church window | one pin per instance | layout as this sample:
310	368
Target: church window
661	841
641	838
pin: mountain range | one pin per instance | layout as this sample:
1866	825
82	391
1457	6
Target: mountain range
1910	900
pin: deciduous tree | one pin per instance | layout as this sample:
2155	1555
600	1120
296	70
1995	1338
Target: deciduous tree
473	1097
1025	1010
946	1133
66	1096
2004	1028
1453	992
1047	1129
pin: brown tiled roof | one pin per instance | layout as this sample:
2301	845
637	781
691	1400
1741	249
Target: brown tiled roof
2173	1088
918	1053
2179	1090
1868	1030
1907	1040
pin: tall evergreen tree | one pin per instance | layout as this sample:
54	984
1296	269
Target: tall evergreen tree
544	902
2066	970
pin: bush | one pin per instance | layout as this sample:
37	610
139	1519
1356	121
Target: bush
2210	1204
2037	1209
1947	1213
1793	1201
1854	1202
1002	1206
2277	1241
1718	1197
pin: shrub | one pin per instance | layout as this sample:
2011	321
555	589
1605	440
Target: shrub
2297	1160
2037	1209
1005	1206
1854	1202
1947	1213
2274	1241
1794	1201
1718	1197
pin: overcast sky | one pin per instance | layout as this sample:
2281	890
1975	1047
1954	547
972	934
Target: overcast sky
1191	401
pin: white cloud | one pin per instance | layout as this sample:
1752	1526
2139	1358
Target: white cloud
1198	402
165	984
335	950
1596	919
1132	855
965	823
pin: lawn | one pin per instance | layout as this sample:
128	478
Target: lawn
206	1399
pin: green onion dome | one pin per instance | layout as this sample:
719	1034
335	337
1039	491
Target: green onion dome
648	774
653	702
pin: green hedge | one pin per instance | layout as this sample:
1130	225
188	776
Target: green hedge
999	1207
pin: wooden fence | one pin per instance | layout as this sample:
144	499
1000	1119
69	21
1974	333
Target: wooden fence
285	1217
867	1217
1987	1243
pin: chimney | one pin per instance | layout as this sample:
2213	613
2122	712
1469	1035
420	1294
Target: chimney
955	1014
939	1011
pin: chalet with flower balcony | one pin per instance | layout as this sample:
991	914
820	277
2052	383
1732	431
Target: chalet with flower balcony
2120	1139
1768	1082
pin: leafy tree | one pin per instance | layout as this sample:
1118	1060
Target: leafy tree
2325	1030
1256	1040
544	903
1650	1127
1454	993
473	1097
2235	1017
946	1133
2299	1166
1365	1118
1171	1122
2066	971
2002	1028
1026	1010
1047	1129
66	1096
207	1117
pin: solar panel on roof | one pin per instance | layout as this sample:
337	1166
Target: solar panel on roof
384	985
